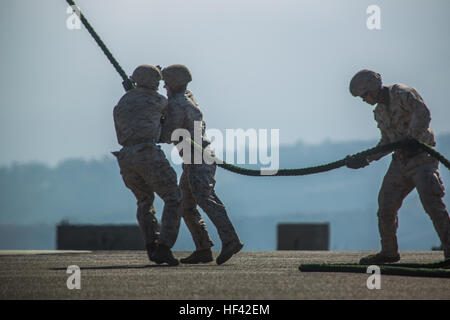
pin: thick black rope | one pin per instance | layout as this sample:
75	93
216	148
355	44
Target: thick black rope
444	264
407	144
127	83
417	271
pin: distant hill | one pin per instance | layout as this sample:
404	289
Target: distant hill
34	198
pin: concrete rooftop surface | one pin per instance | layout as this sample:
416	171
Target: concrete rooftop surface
253	275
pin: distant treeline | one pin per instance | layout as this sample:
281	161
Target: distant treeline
81	191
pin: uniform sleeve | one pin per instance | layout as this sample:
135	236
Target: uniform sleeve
191	117
163	135
116	126
196	126
383	141
172	121
420	115
384	137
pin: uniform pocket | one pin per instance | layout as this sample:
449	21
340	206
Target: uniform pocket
436	185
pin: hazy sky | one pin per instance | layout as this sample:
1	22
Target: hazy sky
256	64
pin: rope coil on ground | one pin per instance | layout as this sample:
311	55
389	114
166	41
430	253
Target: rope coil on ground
430	270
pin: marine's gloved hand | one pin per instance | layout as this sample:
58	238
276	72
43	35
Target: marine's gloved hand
356	162
128	84
411	144
205	142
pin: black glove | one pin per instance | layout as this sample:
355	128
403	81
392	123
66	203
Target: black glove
128	84
411	144
356	162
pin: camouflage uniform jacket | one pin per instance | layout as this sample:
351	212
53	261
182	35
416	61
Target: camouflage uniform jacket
137	117
405	115
183	112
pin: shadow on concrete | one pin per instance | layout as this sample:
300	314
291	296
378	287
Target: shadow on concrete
116	267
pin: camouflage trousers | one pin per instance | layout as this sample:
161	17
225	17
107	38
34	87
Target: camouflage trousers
420	172
146	171
197	183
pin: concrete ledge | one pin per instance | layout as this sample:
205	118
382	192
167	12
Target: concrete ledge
31	252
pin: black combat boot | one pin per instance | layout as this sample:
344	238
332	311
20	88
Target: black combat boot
228	249
162	254
151	247
379	258
199	256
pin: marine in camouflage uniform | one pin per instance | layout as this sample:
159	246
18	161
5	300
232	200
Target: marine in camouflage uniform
401	114
143	165
197	181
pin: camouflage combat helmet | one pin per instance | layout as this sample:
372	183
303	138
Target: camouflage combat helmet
363	81
146	76
176	75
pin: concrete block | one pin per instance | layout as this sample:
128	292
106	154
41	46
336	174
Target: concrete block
99	237
303	236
